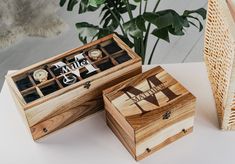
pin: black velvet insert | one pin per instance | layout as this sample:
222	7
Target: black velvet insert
24	83
85	74
50	89
112	48
71	60
122	58
31	97
105	65
56	71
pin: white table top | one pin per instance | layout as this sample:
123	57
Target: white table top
91	141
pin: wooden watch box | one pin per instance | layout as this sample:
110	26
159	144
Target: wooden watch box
74	84
149	111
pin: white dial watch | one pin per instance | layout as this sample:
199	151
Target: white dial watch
95	54
40	75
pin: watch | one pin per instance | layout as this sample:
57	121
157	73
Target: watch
40	75
95	54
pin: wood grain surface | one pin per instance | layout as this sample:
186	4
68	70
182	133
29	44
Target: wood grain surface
149	111
68	104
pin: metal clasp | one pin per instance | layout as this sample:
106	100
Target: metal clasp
166	115
87	85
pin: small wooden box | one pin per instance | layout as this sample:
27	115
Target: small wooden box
53	104
149	111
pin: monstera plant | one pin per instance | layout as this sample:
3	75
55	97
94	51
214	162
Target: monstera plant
136	30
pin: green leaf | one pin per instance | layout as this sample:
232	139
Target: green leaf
200	25
194	25
86	30
178	32
137	1
200	11
111	13
62	2
135	27
126	40
162	34
140	23
96	3
132	29
186	22
89	31
84	6
71	4
169	21
178	23
159	19
103	32
83	39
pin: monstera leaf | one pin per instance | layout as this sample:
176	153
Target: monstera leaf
88	32
169	21
70	4
111	13
136	29
84	5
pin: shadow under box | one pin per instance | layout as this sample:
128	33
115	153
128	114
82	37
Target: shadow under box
24	83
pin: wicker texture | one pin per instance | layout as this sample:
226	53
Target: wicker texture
219	58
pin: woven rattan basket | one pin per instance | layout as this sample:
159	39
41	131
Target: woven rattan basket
219	55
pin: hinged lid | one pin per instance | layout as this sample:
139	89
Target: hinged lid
148	97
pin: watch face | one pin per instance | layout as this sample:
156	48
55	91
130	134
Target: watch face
95	54
40	75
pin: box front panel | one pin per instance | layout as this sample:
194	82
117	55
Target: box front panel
77	104
154	127
150	140
62	120
164	140
164	136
